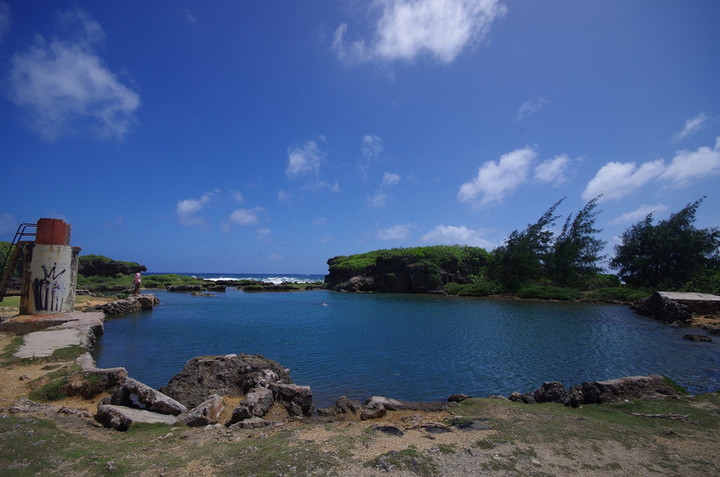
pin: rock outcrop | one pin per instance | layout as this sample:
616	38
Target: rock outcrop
133	393
411	270
129	305
228	375
678	307
96	265
599	392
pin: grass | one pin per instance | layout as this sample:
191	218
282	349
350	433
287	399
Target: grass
30	446
407	459
13	301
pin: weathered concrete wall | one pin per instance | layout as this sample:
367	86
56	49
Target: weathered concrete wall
51	280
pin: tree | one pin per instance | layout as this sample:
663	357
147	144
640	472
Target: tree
522	258
669	254
575	252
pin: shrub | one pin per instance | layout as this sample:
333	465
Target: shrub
548	292
620	294
472	289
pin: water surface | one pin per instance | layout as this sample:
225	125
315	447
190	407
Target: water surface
410	347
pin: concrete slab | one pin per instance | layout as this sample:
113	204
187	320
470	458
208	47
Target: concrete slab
43	343
689	296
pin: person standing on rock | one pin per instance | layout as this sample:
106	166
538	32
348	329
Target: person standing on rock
137	282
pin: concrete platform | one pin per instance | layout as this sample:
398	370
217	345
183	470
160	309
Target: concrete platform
44	334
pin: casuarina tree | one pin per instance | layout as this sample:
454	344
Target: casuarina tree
669	254
575	252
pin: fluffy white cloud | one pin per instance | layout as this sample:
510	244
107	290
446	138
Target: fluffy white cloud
687	166
246	216
65	87
187	209
530	107
304	160
692	126
397	232
552	171
615	180
409	28
453	235
495	180
638	214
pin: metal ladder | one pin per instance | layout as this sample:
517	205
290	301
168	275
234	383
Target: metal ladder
14	253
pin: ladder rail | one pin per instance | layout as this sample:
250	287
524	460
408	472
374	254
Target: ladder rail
11	256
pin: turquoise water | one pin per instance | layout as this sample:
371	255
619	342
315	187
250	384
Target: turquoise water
410	347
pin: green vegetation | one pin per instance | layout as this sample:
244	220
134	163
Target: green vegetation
671	255
464	259
545	292
407	459
537	263
50	391
617	294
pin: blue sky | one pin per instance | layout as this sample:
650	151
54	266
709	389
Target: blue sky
270	136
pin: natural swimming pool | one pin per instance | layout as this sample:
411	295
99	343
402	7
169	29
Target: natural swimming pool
410	347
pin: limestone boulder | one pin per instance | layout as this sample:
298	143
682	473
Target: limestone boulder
135	394
297	399
208	412
130	304
257	402
599	392
228	375
120	417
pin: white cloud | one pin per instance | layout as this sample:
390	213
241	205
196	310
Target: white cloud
377	200
65	87
304	160
320	221
4	19
528	108
284	197
372	147
407	29
188	209
190	17
453	235
397	232
379	197
638	214
245	216
615	180
264	235
390	179
552	171
692	126
8	224
687	165
496	180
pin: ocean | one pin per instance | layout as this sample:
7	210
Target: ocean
274	278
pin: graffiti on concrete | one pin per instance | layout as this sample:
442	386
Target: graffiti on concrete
50	291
